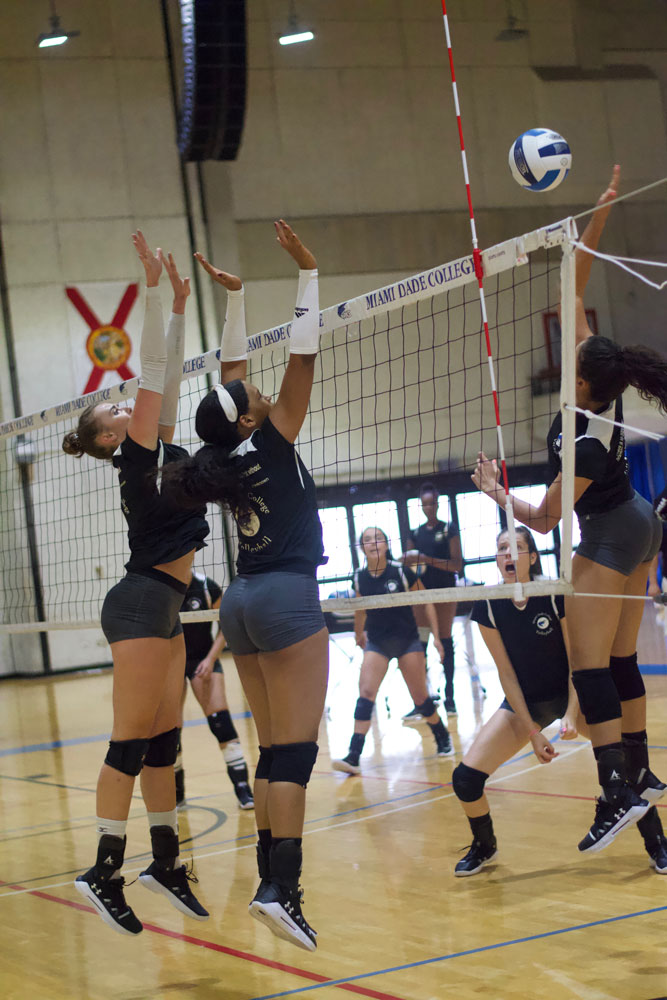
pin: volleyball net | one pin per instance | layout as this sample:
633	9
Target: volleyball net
401	395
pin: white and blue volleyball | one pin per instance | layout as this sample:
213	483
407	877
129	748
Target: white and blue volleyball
540	159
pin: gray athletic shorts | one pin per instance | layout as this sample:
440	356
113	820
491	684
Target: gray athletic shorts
265	612
392	646
543	712
143	605
621	538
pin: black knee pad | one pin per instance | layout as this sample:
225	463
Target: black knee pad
598	697
627	677
364	709
263	769
127	756
222	727
468	783
163	749
293	762
427	708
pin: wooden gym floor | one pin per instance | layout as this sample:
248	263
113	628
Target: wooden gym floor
393	922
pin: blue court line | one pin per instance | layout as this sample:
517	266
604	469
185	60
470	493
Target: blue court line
461	954
653	668
100	738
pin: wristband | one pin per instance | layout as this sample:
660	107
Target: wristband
531	734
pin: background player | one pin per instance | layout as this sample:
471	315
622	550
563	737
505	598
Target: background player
204	671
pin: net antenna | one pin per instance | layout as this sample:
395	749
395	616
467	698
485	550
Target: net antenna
479	273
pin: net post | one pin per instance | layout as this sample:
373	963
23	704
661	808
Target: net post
567	394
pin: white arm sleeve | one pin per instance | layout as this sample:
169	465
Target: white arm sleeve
233	343
153	349
305	331
172	378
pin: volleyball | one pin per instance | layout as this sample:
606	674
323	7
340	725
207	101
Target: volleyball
540	159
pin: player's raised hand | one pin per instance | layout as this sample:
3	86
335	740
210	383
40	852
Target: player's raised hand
180	286
290	241
228	281
152	261
485	475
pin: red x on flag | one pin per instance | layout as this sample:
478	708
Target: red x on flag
108	345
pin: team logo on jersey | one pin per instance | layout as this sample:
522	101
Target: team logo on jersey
439	535
558	445
194	604
543	624
392	586
251	526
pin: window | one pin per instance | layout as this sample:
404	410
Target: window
479	524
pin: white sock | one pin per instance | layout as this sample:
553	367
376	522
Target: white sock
164	819
233	754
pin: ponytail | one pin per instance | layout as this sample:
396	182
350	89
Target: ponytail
647	373
609	369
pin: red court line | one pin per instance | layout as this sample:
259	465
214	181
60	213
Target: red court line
314	977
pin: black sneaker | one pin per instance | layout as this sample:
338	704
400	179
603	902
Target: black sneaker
445	746
173	883
450	708
611	818
244	795
179	776
279	908
108	898
478	855
413	718
349	764
658	856
648	786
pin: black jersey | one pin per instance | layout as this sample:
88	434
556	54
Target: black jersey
435	542
397	622
201	595
534	642
159	531
284	530
599	454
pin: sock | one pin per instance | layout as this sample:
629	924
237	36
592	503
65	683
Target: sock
237	769
357	744
448	667
635	746
111	842
482	829
164	819
611	769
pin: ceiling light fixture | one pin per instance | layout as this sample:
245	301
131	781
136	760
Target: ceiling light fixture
294	34
56	36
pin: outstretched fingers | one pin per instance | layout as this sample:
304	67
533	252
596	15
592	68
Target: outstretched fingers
229	281
289	241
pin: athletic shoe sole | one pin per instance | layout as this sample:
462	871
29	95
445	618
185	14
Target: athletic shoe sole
654	864
633	814
446	753
652	795
414	720
246	805
473	871
273	916
342	765
85	890
152	883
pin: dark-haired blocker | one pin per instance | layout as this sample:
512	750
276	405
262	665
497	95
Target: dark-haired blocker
270	614
620	536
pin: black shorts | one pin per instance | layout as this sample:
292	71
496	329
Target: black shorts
191	666
394	646
143	605
621	538
266	612
543	712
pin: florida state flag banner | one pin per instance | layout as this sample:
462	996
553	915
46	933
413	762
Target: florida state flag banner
103	324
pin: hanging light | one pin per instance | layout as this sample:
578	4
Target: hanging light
56	36
294	34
